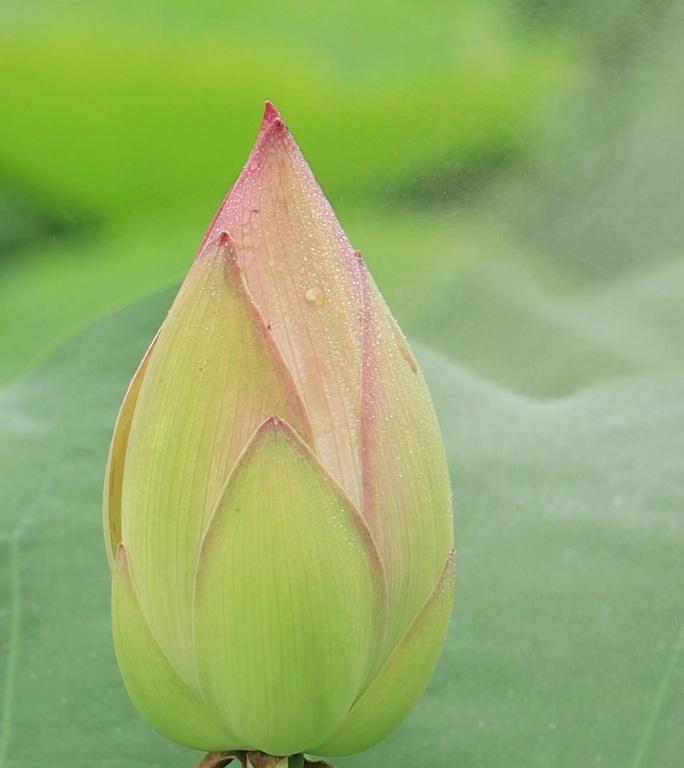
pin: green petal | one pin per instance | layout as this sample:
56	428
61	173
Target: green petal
301	269
212	378
407	497
290	598
402	679
155	687
116	460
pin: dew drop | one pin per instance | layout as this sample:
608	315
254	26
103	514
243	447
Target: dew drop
315	297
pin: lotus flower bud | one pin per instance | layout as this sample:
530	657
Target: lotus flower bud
277	504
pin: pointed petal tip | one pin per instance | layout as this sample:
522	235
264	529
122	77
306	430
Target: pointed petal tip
271	114
226	240
227	249
273	428
272	127
272	123
272	422
448	575
216	241
221	245
274	425
122	563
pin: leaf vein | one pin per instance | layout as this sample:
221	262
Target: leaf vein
659	702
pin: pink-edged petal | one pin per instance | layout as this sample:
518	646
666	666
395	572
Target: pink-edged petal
215	374
301	271
406	491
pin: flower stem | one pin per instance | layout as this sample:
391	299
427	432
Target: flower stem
257	760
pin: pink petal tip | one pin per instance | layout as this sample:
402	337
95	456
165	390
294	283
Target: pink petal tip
272	119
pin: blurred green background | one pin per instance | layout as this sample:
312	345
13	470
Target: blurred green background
512	172
452	137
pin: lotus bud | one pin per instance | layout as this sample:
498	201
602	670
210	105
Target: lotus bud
277	504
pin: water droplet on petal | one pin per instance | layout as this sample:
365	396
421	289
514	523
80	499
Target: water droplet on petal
315	297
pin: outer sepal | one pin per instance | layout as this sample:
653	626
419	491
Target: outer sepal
290	598
213	376
155	687
116	460
406	489
402	679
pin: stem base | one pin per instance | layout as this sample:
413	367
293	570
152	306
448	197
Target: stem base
258	760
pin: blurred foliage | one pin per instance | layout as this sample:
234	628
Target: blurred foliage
119	110
124	125
447	133
529	141
604	194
